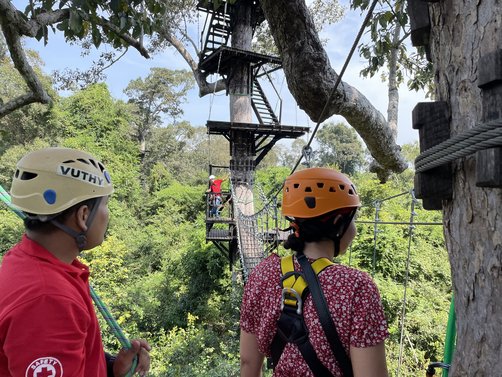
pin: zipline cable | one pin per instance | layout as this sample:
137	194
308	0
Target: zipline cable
105	312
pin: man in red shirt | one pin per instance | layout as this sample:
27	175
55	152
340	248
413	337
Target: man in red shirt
48	327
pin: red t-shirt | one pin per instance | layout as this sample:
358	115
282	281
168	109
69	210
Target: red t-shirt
48	327
216	186
353	301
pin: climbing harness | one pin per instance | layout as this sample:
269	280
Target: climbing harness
105	312
291	326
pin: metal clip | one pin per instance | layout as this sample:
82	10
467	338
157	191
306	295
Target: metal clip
291	291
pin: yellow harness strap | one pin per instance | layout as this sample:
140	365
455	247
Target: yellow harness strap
293	283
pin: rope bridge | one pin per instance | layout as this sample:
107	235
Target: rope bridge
257	233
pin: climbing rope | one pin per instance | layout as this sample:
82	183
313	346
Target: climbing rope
114	327
484	136
112	323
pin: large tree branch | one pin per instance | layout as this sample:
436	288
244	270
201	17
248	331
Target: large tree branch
38	93
311	80
205	87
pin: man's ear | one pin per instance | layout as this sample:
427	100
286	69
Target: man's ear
81	215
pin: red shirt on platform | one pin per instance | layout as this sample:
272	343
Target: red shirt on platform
353	301
216	186
48	326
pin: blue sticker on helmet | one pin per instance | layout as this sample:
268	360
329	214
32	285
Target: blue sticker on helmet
50	196
107	177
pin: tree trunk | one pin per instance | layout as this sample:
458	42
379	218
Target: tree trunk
393	107
242	142
462	32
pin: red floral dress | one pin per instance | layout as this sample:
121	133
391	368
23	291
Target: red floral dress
353	301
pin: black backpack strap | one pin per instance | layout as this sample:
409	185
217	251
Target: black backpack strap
291	329
324	317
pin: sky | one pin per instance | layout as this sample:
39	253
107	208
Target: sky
59	55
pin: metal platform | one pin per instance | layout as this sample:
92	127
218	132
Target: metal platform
219	235
224	128
222	60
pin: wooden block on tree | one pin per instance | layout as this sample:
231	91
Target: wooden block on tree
490	70
489	162
420	24
434	185
489	168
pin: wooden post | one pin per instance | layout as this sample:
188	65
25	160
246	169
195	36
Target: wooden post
489	162
434	185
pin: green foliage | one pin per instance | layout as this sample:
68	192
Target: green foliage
340	147
27	124
98	21
196	351
388	30
11	229
395	260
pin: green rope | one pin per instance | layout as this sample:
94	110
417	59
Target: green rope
449	347
5	197
114	327
112	323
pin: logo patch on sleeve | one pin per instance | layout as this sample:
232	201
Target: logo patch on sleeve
45	367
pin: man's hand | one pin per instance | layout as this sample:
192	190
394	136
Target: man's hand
124	359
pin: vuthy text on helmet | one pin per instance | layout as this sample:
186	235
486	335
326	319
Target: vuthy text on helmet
80	174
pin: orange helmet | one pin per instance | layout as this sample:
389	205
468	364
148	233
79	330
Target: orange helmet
314	192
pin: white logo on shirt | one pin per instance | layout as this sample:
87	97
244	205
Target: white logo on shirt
45	367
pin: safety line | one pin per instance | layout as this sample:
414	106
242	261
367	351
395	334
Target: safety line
112	323
484	136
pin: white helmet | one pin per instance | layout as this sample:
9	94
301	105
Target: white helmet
212	177
50	180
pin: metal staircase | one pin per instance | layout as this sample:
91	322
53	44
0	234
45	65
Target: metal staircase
261	106
217	28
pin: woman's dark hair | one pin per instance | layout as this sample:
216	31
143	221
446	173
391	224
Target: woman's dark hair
34	224
318	229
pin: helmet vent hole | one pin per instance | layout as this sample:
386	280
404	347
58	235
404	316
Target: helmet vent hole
83	161
26	176
332	189
310	202
296	185
320	185
342	187
93	163
351	192
17	173
308	189
68	161
101	167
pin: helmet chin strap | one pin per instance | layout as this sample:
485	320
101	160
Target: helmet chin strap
340	230
80	237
